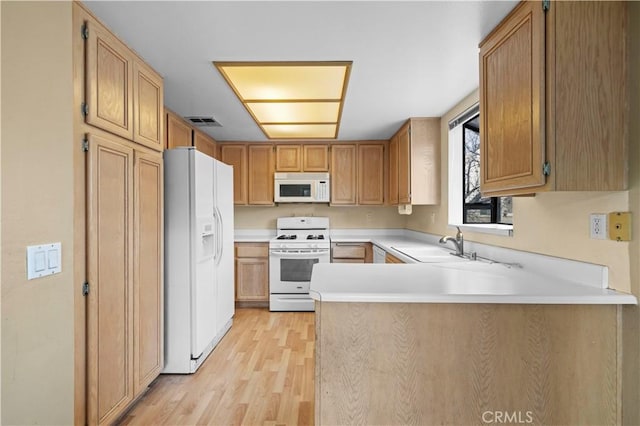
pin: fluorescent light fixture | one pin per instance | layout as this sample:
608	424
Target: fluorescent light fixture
291	100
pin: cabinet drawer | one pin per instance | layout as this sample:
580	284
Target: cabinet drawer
348	260
349	252
252	250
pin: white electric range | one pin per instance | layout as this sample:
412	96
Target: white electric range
300	243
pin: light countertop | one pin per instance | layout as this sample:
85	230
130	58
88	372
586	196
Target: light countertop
451	282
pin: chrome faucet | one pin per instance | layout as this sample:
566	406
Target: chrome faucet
458	241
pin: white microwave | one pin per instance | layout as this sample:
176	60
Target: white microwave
301	187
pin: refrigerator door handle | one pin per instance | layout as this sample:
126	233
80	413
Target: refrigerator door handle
220	235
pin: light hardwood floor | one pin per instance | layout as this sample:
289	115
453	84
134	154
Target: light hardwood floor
261	373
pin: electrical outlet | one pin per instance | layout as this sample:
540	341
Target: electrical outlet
598	226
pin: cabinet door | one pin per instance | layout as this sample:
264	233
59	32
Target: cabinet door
404	165
288	158
260	174
236	156
148	107
205	144
110	274
109	82
393	171
371	174
512	100
315	158
252	279
389	258
178	132
148	255
343	174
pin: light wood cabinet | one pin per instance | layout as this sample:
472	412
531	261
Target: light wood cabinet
125	252
124	96
260	174
389	258
252	273
110	267
417	164
371	174
148	249
352	252
302	158
109	83
148	107
288	158
236	155
344	174
205	144
315	158
554	99
393	170
122	345
179	133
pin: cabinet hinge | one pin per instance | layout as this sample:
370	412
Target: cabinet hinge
84	31
85	145
546	168
85	109
546	4
85	289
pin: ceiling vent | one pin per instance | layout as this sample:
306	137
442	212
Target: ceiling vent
203	121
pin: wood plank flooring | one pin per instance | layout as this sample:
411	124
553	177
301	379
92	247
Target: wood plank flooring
261	373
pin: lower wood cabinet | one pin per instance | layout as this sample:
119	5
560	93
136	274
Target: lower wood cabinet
252	274
351	253
124	272
389	258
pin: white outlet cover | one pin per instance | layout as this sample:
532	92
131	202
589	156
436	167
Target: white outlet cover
44	260
598	228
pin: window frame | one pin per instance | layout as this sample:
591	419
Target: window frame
455	182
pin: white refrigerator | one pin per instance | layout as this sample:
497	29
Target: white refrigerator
199	270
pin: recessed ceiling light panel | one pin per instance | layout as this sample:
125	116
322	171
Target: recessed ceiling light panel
291	99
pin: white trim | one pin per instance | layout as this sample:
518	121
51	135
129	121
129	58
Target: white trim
455	190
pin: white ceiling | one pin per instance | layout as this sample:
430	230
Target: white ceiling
410	59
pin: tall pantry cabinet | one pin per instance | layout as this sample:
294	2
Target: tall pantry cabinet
121	99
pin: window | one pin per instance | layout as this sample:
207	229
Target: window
467	208
476	208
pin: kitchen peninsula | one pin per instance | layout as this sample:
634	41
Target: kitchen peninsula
459	342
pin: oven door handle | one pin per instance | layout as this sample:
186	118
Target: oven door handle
298	253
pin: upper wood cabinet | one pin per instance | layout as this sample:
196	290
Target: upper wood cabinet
179	133
414	163
302	158
393	170
315	158
260	174
109	82
148	104
371	174
288	158
124	96
554	99
205	144
236	155
344	174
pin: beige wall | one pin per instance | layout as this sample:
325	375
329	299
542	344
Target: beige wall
340	217
37	207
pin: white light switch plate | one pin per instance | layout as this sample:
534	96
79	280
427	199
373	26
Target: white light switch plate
44	260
